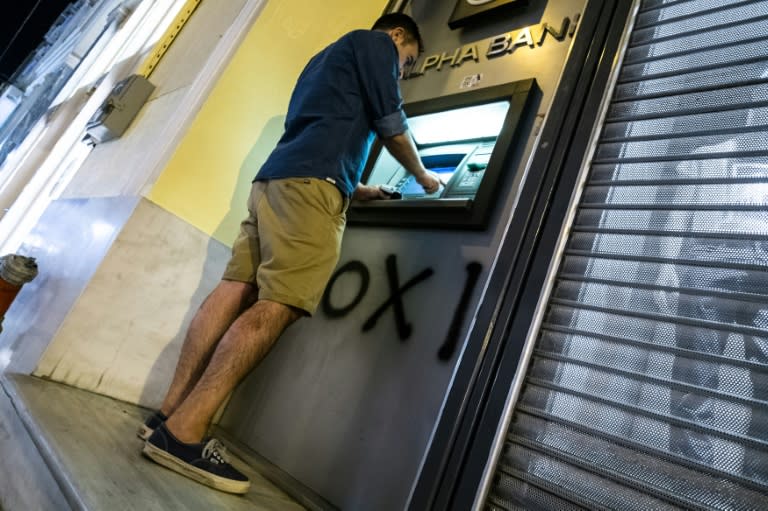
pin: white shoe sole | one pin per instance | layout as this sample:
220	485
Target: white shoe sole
201	476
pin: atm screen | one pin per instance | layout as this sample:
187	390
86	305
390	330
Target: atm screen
444	165
412	188
467	123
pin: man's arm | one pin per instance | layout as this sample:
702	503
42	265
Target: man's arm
404	150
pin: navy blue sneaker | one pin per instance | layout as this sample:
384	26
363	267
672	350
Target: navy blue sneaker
205	462
152	423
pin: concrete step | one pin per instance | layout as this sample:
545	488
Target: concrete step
88	444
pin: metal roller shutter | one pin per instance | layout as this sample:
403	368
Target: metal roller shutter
648	384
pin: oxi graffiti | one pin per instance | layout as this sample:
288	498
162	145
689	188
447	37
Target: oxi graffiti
395	300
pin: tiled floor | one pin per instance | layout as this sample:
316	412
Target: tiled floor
91	445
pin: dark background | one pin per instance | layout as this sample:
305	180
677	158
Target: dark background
22	26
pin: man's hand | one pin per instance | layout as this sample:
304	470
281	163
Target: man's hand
365	192
429	181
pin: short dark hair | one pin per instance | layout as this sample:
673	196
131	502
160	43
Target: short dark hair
400	20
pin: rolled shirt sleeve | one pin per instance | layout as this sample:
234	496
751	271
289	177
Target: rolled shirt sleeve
391	125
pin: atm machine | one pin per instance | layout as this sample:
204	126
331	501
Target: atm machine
465	138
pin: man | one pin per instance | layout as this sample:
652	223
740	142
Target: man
289	245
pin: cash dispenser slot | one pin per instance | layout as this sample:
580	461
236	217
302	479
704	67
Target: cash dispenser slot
465	139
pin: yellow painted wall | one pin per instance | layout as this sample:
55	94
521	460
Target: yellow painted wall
208	179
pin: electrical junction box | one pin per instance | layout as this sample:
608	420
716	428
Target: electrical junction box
119	109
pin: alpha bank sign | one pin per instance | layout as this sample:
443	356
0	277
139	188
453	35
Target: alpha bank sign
467	11
505	44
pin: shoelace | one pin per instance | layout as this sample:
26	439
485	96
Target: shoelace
215	451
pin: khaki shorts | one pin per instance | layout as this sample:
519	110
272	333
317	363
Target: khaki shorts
289	244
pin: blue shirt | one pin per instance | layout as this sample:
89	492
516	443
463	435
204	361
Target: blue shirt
346	95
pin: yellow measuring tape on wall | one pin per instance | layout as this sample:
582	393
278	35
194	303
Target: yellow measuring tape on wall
168	37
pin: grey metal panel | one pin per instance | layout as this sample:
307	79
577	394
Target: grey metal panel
686	26
673	11
732	35
710	58
740	96
749	168
740	74
686	125
743	144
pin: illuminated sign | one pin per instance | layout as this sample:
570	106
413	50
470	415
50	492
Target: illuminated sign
499	46
468	11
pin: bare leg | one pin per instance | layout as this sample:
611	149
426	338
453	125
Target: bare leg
243	346
215	316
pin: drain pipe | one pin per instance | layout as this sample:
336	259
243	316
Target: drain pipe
15	271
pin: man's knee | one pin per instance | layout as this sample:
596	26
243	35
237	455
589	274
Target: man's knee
244	294
281	314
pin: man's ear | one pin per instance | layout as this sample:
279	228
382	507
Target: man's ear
397	32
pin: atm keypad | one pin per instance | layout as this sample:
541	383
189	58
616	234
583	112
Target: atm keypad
471	180
400	184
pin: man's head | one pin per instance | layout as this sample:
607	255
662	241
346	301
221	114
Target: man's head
404	33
